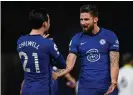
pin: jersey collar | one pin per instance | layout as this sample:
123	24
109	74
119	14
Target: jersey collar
90	34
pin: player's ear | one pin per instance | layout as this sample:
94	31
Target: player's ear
95	19
45	24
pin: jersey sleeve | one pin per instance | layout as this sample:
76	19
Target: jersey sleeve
57	56
73	46
114	43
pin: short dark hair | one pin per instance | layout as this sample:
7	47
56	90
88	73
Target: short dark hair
127	57
37	17
89	9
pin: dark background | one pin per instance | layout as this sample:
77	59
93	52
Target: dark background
113	15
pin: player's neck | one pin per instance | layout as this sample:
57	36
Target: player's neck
37	31
95	29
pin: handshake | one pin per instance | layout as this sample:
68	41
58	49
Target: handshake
71	81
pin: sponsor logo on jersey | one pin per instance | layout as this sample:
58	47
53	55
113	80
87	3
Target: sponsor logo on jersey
93	55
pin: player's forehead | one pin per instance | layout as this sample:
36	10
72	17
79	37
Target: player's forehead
85	15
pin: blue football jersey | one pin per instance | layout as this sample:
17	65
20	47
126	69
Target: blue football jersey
93	51
36	54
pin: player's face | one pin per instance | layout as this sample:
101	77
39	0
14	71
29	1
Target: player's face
87	21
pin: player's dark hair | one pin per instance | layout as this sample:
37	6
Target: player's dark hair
37	17
89	9
127	57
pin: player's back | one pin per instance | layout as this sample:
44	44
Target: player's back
34	52
125	81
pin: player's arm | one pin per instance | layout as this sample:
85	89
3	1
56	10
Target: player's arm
22	84
114	58
69	77
114	62
70	62
114	66
57	56
21	87
71	58
71	81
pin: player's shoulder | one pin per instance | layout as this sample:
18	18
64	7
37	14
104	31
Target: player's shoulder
126	69
108	32
21	38
121	69
39	38
48	41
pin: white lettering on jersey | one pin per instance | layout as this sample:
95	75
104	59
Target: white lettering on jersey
29	43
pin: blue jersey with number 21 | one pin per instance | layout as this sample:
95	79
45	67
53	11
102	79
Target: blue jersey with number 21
36	53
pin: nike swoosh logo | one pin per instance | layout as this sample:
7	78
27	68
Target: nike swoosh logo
82	43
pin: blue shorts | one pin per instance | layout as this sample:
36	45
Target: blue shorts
89	91
36	93
55	87
85	90
35	88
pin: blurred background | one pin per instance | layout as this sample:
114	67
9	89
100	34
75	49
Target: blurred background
116	16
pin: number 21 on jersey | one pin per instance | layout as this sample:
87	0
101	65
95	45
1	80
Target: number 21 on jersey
35	56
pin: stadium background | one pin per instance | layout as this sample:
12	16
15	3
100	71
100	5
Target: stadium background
116	16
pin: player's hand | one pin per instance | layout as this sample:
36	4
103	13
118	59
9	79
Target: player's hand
71	83
111	88
54	75
46	35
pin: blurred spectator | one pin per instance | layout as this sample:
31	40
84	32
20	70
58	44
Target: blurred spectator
125	79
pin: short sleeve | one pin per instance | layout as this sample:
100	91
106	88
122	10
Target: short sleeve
114	43
57	56
73	46
54	50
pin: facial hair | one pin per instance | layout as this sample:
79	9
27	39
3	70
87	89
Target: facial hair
89	31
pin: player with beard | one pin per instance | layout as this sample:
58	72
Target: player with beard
98	49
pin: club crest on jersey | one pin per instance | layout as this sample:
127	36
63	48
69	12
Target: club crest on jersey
117	42
56	49
102	41
93	55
